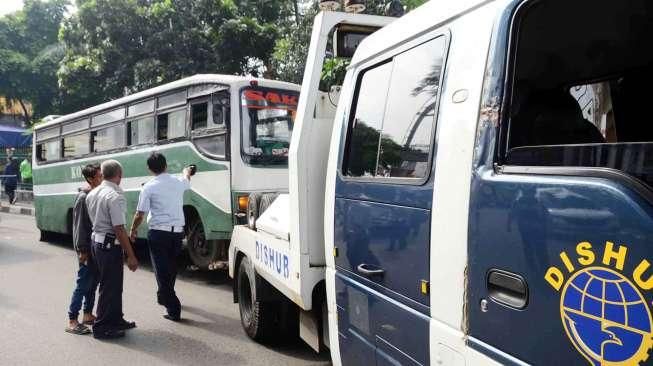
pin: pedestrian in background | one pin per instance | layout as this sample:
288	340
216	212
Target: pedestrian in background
86	282
106	208
10	179
162	198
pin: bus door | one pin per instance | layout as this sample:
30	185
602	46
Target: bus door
561	217
383	209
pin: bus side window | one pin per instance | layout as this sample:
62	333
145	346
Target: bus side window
221	109
49	150
199	115
140	131
171	125
76	145
109	138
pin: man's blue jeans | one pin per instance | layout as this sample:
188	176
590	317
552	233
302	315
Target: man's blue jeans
84	289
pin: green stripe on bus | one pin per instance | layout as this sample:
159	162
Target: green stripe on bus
53	214
134	165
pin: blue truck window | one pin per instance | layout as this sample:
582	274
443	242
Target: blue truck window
368	121
393	124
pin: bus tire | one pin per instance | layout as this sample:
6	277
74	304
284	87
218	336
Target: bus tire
46	236
253	210
266	202
256	316
202	252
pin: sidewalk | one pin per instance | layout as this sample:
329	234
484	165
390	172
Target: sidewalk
20	208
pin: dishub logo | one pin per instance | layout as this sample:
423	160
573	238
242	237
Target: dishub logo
603	312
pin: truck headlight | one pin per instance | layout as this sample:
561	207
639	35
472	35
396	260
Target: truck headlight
243	201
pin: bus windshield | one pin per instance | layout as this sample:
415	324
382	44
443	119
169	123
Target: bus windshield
267	122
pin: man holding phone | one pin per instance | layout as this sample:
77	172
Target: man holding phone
162	198
106	208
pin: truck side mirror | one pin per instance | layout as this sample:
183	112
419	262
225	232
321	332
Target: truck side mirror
347	37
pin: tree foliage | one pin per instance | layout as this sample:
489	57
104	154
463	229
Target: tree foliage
110	48
289	57
115	47
30	55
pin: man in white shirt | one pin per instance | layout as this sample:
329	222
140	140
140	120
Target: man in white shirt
162	199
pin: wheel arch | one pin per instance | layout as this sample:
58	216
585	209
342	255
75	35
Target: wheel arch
318	295
192	213
239	258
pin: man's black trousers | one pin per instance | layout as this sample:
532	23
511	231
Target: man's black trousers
110	278
165	247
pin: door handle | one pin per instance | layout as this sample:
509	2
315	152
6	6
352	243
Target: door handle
507	288
367	270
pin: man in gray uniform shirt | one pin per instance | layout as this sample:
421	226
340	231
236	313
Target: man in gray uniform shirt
106	208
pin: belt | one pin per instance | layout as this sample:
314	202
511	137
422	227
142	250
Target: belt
99	238
170	229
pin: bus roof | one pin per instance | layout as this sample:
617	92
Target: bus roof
186	82
431	15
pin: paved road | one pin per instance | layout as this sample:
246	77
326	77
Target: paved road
36	280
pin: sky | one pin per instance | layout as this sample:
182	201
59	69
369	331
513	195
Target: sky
10	6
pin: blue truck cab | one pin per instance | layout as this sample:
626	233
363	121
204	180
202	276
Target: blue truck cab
489	187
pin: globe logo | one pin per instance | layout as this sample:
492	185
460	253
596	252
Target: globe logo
606	317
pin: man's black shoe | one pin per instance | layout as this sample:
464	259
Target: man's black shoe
125	325
109	334
173	318
160	301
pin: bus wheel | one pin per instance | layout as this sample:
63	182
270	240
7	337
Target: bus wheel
253	210
255	315
46	236
202	252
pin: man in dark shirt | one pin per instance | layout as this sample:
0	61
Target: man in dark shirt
10	179
87	273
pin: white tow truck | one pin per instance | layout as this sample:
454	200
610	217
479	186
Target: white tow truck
470	212
278	259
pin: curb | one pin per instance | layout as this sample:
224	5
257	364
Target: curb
16	210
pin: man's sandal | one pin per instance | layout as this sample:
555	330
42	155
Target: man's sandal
80	329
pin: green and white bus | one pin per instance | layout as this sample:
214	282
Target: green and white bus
235	129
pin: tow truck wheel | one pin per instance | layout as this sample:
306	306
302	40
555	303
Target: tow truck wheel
255	315
202	252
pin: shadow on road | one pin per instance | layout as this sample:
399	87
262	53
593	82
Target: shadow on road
293	347
6	303
10	254
215	323
176	349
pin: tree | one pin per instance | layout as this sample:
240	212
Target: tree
117	47
30	55
291	50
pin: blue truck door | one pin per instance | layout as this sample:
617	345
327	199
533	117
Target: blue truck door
383	210
561	207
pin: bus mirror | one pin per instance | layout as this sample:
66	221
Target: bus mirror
347	37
